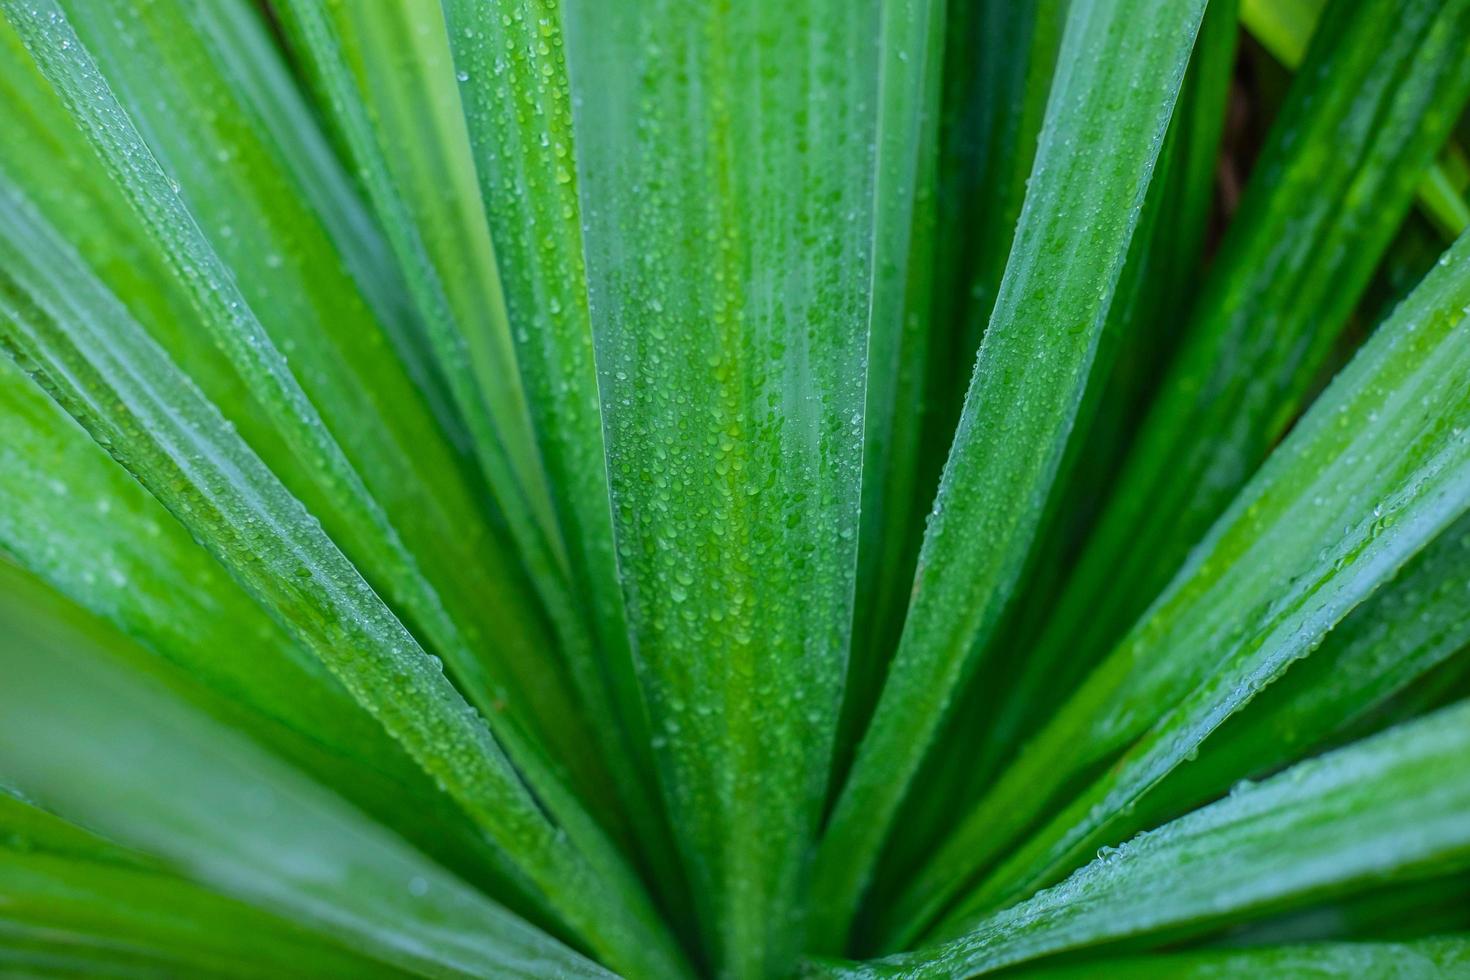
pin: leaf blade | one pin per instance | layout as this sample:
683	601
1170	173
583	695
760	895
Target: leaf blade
1388	807
94	743
1303	545
737	526
83	346
1361	123
982	525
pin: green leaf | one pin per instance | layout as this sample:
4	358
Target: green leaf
28	829
518	112
1092	169
460	585
59	908
98	363
726	164
615	353
1156	284
899	317
1363	120
1427	958
100	746
1397	911
1372	474
1388	808
997	69
77	519
1409	628
83	524
388	85
999	61
1285	28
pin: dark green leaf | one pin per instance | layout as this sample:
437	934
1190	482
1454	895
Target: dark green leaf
1092	169
1372	474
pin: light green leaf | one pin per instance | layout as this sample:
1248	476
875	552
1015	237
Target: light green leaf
1092	169
28	829
83	524
1284	27
97	363
1388	808
113	753
108	921
518	112
388	84
900	315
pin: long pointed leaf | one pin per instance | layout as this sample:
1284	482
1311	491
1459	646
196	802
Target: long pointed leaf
99	365
101	747
518	112
1363	120
1410	628
999	63
1155	291
1391	807
154	924
725	162
1372	474
83	524
1057	288
1018	687
899	321
400	116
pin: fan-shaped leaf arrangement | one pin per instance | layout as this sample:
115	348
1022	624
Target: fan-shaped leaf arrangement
672	488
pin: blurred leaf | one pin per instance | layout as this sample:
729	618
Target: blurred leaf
1285	28
26	828
123	757
109	918
1398	911
82	523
